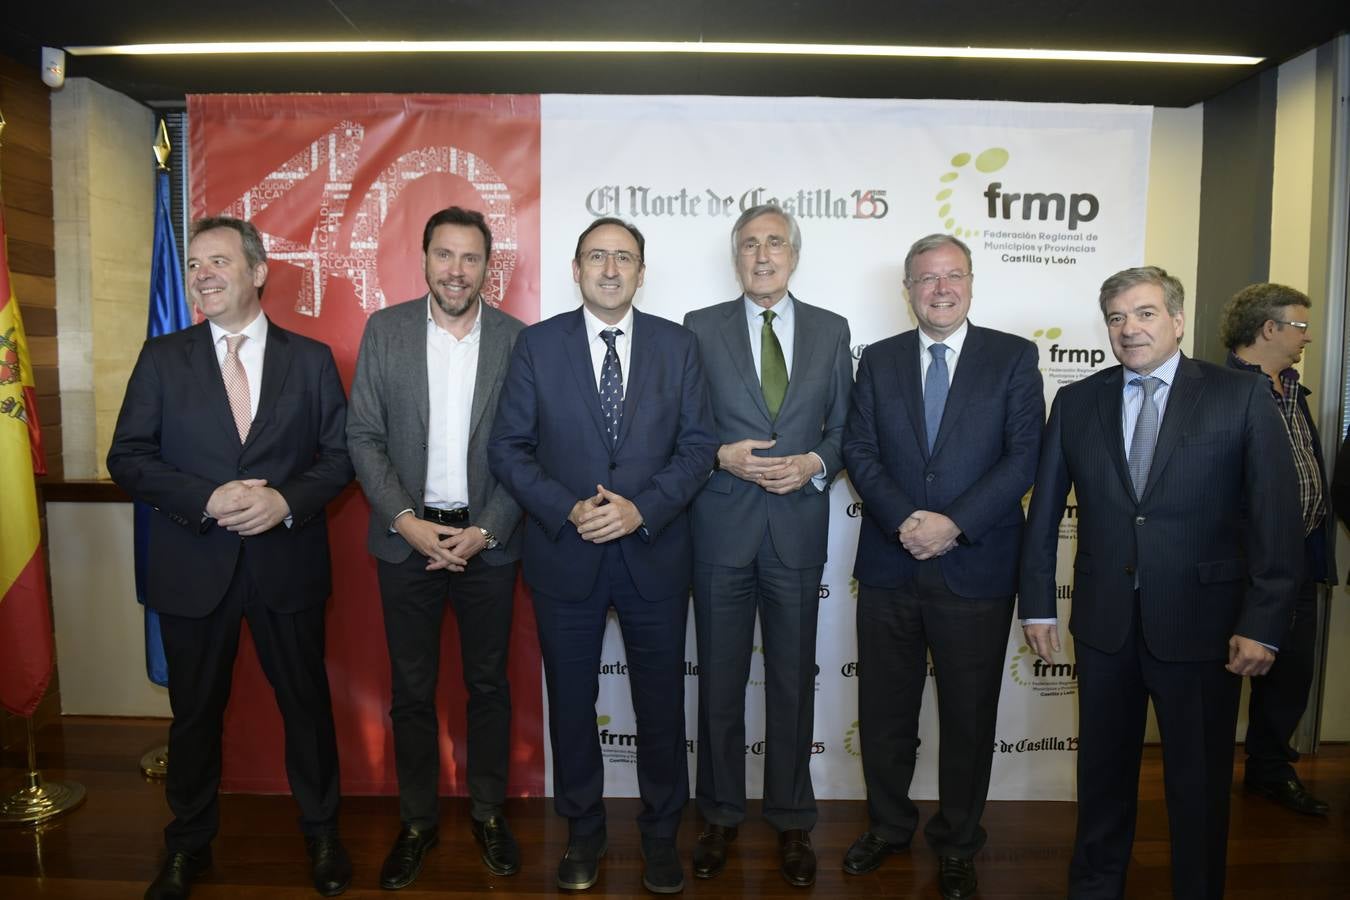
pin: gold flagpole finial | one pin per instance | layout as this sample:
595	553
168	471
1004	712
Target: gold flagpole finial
2	126
163	147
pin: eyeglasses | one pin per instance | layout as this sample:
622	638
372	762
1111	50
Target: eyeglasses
595	259
774	244
1301	326
931	281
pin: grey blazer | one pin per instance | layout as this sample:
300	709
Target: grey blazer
730	515
387	426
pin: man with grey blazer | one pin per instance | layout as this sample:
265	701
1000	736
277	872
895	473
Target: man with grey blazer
780	373
441	528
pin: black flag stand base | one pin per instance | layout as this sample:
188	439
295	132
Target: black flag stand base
39	800
155	762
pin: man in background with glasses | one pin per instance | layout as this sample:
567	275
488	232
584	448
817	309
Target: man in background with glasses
941	444
604	434
1265	328
780	372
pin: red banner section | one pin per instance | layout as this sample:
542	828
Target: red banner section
341	186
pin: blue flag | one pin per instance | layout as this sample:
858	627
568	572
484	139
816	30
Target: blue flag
168	312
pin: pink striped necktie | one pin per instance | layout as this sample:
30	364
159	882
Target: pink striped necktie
236	384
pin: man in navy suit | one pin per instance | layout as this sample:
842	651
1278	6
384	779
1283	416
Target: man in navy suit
1190	551
233	430
603	435
941	443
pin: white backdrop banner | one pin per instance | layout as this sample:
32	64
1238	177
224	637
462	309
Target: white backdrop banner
1051	200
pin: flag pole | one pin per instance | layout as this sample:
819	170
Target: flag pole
38	800
155	761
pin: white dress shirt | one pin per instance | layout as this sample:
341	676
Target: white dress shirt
250	355
623	344
452	367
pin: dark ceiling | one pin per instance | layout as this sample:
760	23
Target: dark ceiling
1277	31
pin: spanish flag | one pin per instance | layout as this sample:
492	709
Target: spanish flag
25	616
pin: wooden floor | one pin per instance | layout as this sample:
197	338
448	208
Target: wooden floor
110	847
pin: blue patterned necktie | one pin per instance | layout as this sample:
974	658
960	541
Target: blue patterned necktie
935	392
611	385
1145	435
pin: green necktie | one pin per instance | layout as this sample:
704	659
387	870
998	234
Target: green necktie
773	375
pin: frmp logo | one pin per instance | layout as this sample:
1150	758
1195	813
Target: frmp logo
1056	354
986	162
1004	205
1046	679
852	741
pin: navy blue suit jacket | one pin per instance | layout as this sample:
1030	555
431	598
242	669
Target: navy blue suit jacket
982	462
549	448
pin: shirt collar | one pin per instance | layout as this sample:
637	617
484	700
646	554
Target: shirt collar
954	341
1166	373
782	309
1287	376
433	327
594	326
256	331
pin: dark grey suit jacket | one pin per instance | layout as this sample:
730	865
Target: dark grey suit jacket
387	426
730	515
1216	540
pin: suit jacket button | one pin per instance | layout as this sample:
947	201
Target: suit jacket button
929	477
613	466
1139	520
1129	570
774	436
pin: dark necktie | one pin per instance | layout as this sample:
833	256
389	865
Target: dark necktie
611	385
935	392
1145	435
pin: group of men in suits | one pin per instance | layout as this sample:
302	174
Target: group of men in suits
624	460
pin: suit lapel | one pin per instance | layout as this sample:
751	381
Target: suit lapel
1186	389
736	335
577	349
276	366
1109	401
205	368
803	346
492	343
906	362
641	354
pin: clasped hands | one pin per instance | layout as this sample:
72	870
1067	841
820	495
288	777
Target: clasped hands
776	474
927	534
247	507
605	517
444	546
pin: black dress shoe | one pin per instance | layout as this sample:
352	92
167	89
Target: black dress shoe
404	862
330	865
174	880
661	871
799	860
1290	794
580	866
956	877
501	854
867	852
710	853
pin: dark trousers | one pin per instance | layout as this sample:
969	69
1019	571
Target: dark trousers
1196	704
571	633
200	654
414	603
968	639
1280	697
726	600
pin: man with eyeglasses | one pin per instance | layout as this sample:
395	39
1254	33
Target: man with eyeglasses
780	372
941	444
1265	328
1187	560
603	434
443	531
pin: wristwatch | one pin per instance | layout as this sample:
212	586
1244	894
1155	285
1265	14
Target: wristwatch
490	538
